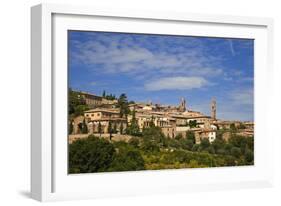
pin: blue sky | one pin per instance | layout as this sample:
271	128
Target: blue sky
162	69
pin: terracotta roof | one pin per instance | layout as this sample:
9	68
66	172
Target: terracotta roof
102	110
108	119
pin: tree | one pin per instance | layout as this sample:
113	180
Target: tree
123	105
189	144
232	127
134	142
110	97
236	152
127	159
80	127
250	143
90	155
110	129
150	146
218	144
151	123
121	128
99	128
178	137
190	136
192	123
249	156
70	127
84	127
76	104
239	142
211	150
195	147
220	151
227	148
133	128
154	134
80	109
204	143
241	126
115	128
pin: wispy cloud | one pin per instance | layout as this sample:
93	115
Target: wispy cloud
166	67
176	83
243	96
131	56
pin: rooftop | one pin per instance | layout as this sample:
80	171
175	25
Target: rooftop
113	111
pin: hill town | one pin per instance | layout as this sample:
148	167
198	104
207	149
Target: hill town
202	109
117	119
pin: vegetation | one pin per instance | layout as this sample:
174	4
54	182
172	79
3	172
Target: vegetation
70	127
152	150
123	105
99	128
192	123
84	128
108	96
76	105
133	128
99	155
149	149
232	127
241	126
90	155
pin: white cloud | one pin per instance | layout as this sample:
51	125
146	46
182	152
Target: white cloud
126	55
242	97
176	83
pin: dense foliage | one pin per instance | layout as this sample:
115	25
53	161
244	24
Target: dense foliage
152	150
108	96
76	104
99	155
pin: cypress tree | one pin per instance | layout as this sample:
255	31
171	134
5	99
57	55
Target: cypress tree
84	127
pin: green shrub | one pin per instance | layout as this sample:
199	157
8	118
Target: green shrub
90	155
134	142
249	156
127	159
195	147
236	152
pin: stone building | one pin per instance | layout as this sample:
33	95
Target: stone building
173	120
214	109
167	124
90	99
76	122
182	106
226	124
201	134
102	119
94	101
169	131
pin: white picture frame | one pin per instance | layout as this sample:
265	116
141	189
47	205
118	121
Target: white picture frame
49	178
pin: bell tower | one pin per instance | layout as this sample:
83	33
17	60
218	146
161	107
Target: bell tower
213	109
182	106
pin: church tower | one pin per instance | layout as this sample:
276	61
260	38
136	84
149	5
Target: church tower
182	106
213	109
